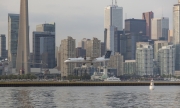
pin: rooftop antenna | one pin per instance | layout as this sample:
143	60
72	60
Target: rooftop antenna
116	2
162	12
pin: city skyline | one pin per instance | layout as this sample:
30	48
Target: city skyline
73	20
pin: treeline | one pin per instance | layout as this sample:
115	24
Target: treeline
27	76
84	77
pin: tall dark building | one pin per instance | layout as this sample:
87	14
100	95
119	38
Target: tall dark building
135	26
102	48
131	44
80	52
120	42
148	16
3	52
44	49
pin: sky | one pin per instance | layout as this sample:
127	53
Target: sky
80	18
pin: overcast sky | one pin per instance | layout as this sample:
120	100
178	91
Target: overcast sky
80	18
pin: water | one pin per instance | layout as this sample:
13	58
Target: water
90	97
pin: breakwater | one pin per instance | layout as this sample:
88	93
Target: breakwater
46	84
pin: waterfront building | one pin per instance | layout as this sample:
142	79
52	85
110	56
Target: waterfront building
159	28
67	50
23	53
166	60
13	27
130	67
116	62
176	33
44	49
3	53
135	26
148	16
144	60
158	45
113	20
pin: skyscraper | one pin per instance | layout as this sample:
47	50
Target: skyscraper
3	46
113	19
67	50
148	16
44	49
159	28
22	60
50	27
176	33
13	27
135	26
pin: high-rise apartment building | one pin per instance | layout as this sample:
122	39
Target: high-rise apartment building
176	33
113	20
23	53
93	48
116	61
50	27
148	16
67	50
136	26
13	27
44	49
166	60
144	60
158	45
3	46
159	28
130	67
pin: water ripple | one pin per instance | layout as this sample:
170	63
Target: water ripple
90	97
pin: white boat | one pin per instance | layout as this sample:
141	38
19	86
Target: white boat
112	79
151	87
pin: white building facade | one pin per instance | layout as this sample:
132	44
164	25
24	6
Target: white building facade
176	33
113	19
144	60
166	60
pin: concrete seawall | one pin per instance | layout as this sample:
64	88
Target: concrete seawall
46	84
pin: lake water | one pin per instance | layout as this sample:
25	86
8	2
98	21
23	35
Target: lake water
90	97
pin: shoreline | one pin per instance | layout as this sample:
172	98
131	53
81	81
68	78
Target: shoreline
56	84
